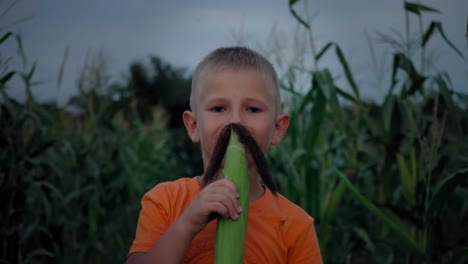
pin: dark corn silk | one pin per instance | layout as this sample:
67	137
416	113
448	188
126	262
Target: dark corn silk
213	169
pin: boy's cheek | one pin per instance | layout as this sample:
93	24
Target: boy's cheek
207	151
263	146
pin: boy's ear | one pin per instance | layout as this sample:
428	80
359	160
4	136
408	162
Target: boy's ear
190	123
281	126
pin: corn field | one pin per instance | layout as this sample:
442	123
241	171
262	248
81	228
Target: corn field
385	182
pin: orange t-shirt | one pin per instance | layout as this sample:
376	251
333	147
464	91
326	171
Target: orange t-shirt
278	231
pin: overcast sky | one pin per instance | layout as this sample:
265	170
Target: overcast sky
182	32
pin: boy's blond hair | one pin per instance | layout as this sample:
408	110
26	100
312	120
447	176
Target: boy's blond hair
235	58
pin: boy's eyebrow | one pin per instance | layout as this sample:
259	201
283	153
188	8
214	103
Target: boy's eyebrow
259	100
207	101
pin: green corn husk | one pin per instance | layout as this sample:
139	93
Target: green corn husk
230	234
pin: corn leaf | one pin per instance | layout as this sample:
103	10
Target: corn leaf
323	50
430	31
399	230
418	8
445	187
295	15
5	37
406	179
347	71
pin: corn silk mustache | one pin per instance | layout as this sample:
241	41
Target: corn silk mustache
213	170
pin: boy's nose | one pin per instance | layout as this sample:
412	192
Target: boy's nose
236	117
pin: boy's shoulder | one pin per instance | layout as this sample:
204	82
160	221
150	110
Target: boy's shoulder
183	182
292	209
182	186
280	206
294	221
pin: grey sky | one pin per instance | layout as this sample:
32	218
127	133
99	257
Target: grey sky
182	32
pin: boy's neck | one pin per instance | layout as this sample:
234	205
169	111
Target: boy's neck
256	191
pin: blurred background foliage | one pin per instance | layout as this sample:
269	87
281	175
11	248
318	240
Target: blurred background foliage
387	182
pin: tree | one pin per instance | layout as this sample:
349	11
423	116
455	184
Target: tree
163	85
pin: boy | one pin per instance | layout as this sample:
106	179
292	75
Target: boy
233	85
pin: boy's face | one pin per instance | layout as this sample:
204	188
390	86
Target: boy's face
234	96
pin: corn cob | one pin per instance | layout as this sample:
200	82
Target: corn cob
230	234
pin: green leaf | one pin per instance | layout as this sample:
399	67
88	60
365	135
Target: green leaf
333	102
414	167
53	189
31	71
396	62
406	179
19	42
347	71
324	82
318	115
401	61
295	15
27	76
323	50
445	187
430	31
445	91
307	99
28	231
289	89
346	95
407	65
418	8
331	205
362	234
35	253
388	106
6	78
398	229
5	37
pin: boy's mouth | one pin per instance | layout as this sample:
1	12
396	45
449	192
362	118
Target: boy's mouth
256	158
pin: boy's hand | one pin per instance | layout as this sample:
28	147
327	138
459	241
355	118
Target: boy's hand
220	197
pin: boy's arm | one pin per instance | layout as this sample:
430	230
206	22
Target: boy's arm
171	248
218	197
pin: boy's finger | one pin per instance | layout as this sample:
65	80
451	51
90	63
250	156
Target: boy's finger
232	205
222	191
221	209
229	202
229	184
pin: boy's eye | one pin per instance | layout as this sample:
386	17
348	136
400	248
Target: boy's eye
217	109
253	109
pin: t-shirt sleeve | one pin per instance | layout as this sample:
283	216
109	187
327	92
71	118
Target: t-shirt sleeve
152	222
306	247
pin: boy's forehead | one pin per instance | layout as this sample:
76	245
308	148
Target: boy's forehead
217	74
222	76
